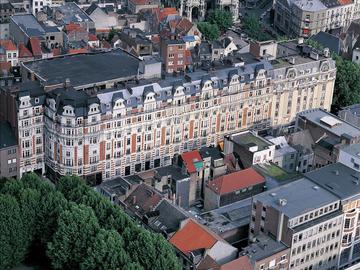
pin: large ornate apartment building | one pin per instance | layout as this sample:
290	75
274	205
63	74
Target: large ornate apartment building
119	129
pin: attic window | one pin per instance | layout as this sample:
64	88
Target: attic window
36	100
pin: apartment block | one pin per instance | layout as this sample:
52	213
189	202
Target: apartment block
306	218
306	18
344	182
97	121
173	52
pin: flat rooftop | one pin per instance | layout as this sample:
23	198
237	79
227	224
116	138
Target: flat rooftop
227	218
300	197
263	248
275	172
352	149
86	69
248	139
117	186
330	122
338	179
7	136
172	170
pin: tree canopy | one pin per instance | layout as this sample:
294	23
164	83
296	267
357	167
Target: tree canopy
347	83
223	19
209	31
253	28
75	228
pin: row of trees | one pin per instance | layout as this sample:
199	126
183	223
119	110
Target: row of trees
74	228
347	83
252	27
217	22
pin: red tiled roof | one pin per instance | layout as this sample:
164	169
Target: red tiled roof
208	263
141	2
5	67
345	2
189	158
24	52
8	45
56	51
193	236
236	181
242	263
35	46
184	25
77	51
72	26
162	13
92	37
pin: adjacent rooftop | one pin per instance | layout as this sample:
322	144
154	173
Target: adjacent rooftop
329	122
86	69
7	136
338	179
236	181
296	198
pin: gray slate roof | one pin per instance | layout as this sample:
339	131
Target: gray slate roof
7	136
338	179
302	196
85	69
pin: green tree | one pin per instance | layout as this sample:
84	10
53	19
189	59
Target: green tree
12	234
50	207
209	31
108	215
76	230
106	252
146	247
222	18
347	83
253	28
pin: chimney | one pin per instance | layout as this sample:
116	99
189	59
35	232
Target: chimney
134	200
300	41
67	83
326	52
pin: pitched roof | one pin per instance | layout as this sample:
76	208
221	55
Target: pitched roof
142	2
92	37
184	25
190	158
193	236
162	13
35	46
241	263
91	8
208	263
143	199
24	52
235	181
73	26
8	45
